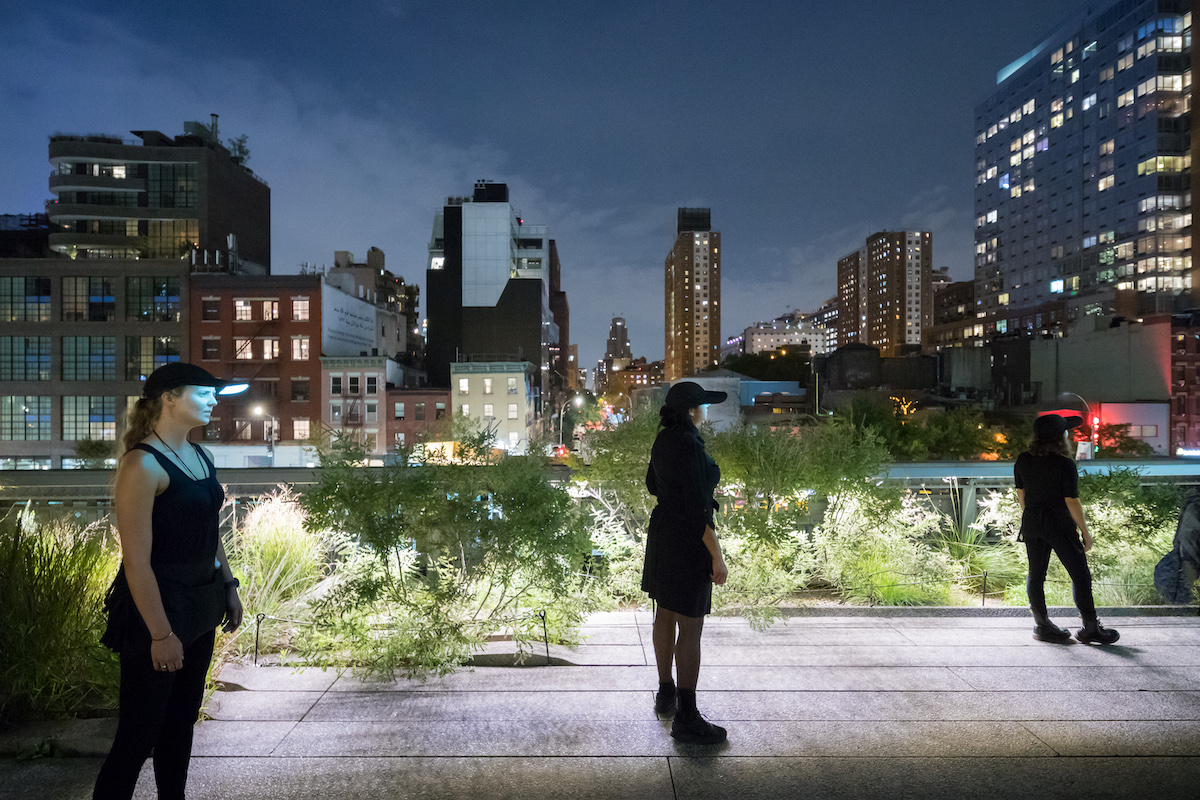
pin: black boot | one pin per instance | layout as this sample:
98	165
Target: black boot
664	700
1047	631
1093	632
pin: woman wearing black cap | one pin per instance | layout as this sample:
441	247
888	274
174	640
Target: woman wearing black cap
1048	491
683	557
174	586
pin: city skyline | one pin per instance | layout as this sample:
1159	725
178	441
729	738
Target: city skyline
362	128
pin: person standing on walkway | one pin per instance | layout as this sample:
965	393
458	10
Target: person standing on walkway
174	586
683	556
1052	519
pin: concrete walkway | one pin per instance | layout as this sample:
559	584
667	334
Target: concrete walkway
862	706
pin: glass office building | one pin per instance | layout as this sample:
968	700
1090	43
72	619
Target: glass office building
1083	172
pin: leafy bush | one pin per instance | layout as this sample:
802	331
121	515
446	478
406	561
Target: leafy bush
52	616
440	556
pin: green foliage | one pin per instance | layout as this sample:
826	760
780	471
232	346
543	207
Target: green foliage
873	546
932	435
442	555
1115	442
96	453
790	366
52	616
1016	437
239	149
1131	526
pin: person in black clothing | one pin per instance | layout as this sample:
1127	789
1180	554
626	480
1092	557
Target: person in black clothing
174	586
683	557
1048	490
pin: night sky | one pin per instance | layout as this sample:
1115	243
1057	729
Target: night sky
805	126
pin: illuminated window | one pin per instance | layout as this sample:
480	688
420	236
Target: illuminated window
1056	286
299	348
1106	182
464	386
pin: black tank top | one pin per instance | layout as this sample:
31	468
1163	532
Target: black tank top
184	524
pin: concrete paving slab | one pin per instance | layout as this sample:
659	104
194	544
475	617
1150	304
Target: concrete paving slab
1080	679
236	676
218	738
933	778
49	778
583	656
845	679
950	706
622	739
1119	737
718	636
613	634
1032	654
1140	636
273	705
496	679
490	706
430	778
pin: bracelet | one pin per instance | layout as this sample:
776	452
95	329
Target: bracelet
163	639
232	583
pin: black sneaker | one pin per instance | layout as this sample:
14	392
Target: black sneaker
695	729
1095	633
665	703
1049	632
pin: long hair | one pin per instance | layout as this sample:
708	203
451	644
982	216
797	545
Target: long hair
673	417
1053	446
142	417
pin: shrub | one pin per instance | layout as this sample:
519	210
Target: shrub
52	616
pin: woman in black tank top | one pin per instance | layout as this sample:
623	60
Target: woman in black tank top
174	586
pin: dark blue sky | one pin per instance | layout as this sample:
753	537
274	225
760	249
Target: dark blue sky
805	125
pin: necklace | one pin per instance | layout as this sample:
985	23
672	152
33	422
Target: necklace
191	474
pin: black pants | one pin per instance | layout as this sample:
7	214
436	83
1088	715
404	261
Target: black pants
1070	552
157	716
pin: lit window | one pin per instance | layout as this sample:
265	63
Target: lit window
299	348
1056	286
464	386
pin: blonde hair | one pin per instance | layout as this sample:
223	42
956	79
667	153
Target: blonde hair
142	417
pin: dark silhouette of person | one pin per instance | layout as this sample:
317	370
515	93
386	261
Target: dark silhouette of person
1052	521
683	556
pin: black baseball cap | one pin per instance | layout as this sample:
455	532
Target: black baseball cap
1047	426
689	394
179	373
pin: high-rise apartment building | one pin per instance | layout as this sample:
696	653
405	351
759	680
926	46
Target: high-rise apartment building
489	286
1084	171
885	291
693	296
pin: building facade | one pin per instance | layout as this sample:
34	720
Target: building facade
167	198
488	280
885	291
111	300
499	396
693	296
1084	171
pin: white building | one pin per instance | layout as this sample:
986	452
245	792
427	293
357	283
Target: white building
781	334
499	395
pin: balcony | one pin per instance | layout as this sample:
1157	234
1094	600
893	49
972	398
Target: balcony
69	242
84	183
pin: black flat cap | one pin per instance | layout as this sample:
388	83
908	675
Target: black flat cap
179	373
689	394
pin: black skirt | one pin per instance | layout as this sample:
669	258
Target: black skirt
677	572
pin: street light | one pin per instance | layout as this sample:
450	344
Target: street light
1091	421
578	400
259	411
